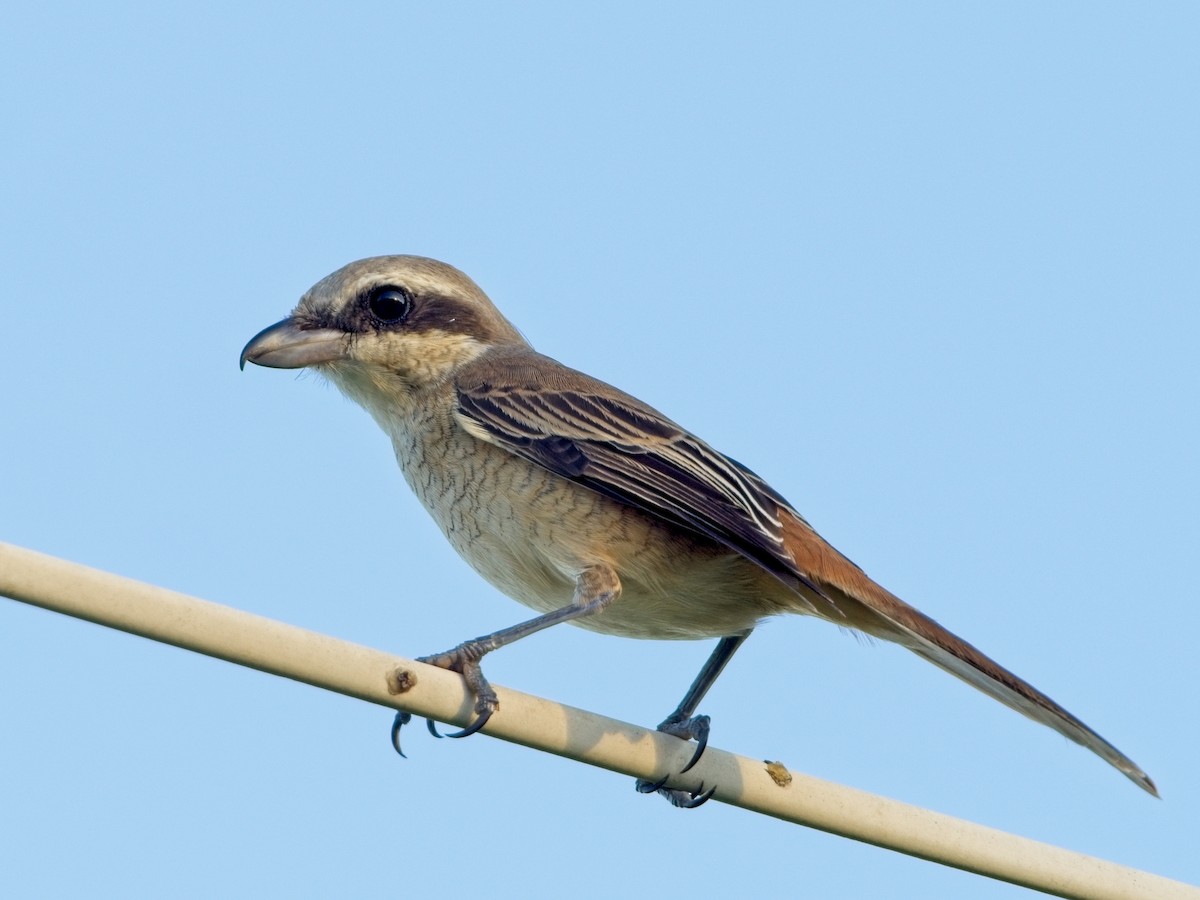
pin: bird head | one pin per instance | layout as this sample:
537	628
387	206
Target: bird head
385	327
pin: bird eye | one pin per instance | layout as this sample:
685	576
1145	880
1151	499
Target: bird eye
389	304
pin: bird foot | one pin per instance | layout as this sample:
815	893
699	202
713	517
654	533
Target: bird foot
694	728
463	659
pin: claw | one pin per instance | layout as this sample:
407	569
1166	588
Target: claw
402	719
702	743
697	728
649	787
697	799
474	726
681	799
432	726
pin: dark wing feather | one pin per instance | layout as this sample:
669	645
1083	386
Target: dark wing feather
597	436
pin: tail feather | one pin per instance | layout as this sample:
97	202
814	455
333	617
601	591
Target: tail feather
878	612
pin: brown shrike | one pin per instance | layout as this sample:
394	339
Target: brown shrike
586	504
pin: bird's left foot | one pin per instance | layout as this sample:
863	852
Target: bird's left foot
693	728
463	659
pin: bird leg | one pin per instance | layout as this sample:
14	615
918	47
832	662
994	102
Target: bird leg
595	589
683	723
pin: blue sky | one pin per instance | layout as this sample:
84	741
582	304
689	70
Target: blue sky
929	268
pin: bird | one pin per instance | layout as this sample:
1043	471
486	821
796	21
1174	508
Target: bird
588	505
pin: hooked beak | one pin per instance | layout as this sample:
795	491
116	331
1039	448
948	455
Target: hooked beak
290	345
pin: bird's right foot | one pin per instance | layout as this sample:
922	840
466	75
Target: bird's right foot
692	728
